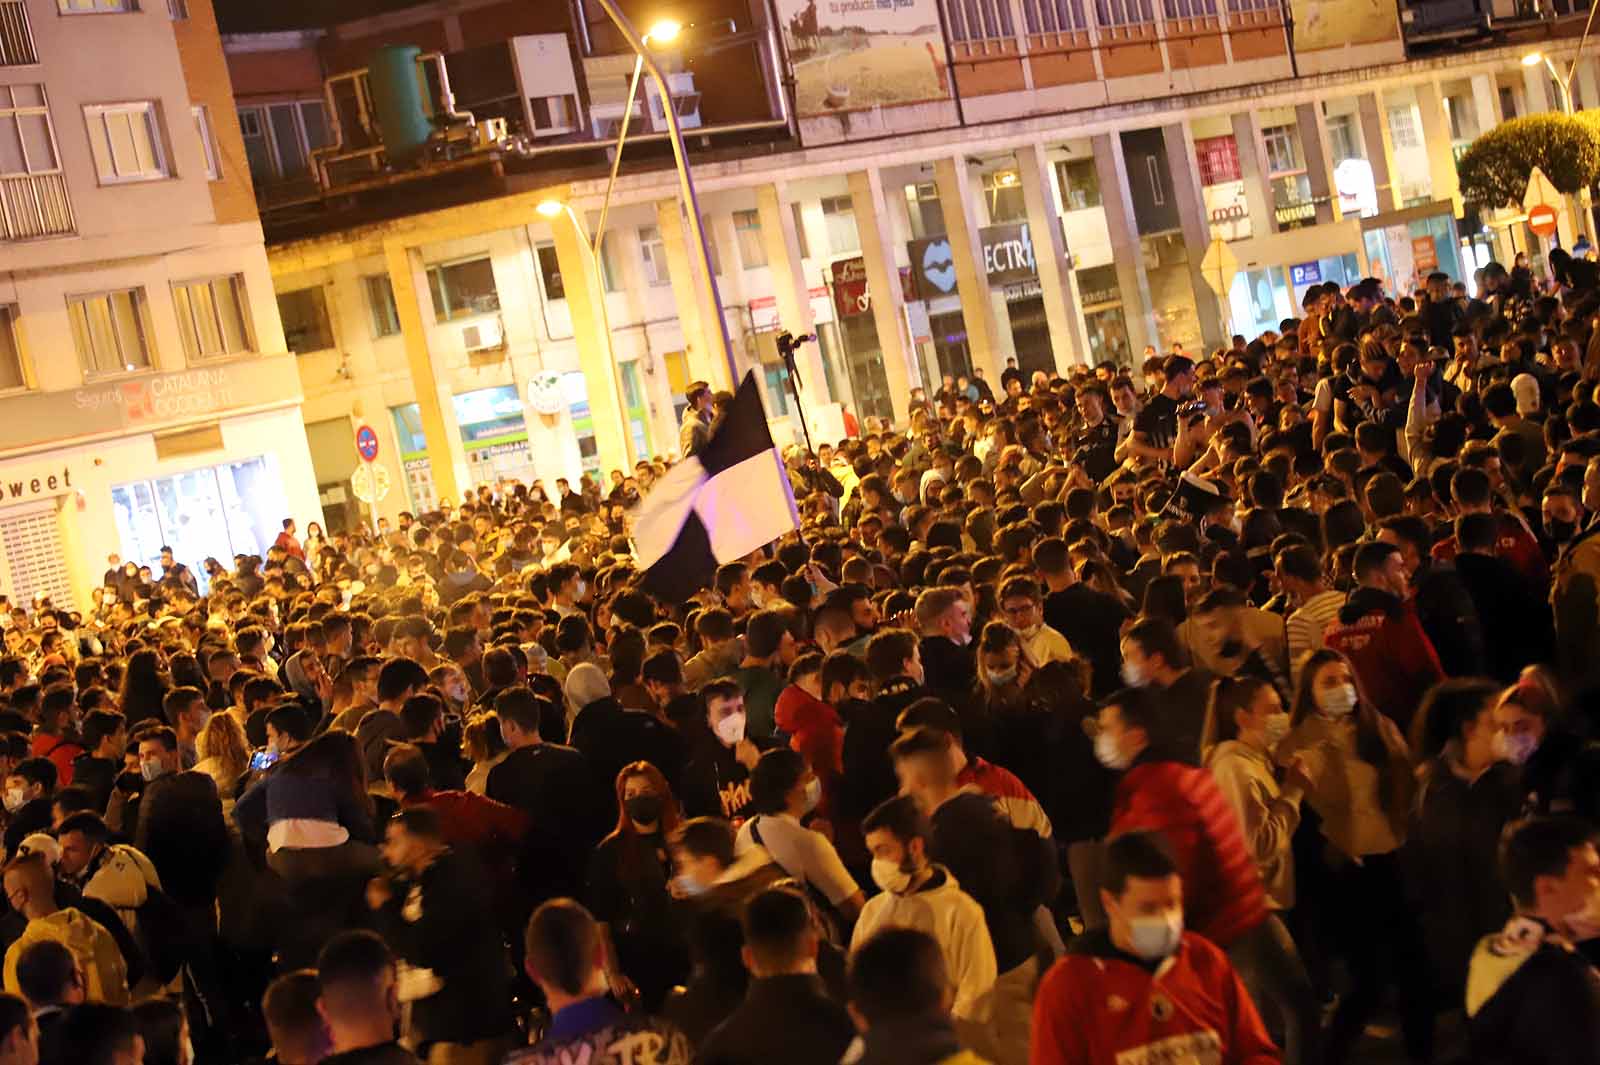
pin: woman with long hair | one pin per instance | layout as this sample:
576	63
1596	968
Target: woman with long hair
484	747
224	755
1352	881
627	883
314	811
144	687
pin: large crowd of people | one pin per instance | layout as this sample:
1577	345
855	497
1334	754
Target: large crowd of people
1232	709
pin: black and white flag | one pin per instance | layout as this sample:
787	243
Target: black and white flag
716	506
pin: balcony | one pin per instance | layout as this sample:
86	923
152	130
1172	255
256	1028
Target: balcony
16	39
34	206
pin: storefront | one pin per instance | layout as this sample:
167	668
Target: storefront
1100	296
206	461
858	335
1404	247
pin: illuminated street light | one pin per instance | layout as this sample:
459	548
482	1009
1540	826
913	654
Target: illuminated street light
663	32
1533	59
550	208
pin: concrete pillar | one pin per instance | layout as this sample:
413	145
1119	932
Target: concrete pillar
1252	169
1053	259
883	282
580	274
1536	90
1126	251
1585	90
447	459
1436	138
1179	144
1380	151
781	242
701	338
958	201
1485	102
1319	171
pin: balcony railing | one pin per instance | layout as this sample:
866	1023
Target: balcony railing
33	206
16	39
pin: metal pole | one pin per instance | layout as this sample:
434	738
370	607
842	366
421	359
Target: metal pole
613	369
685	180
616	159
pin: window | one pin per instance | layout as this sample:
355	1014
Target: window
212	317
1080	184
109	331
27	143
977	20
1124	12
279	138
1190	8
177	10
95	7
1403	128
381	306
1002	189
550	272
126	142
747	229
1342	140
305	320
10	350
839	222
1283	149
1053	16
923	210
654	251
462	289
1218	159
16	38
208	143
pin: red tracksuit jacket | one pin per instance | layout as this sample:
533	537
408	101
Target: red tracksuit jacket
1096	1006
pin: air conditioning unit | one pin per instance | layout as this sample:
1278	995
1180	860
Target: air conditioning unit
487	335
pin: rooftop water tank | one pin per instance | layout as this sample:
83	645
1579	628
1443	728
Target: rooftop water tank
403	120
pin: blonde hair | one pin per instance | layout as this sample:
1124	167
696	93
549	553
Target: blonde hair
223	739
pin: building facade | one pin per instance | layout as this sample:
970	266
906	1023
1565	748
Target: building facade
940	187
146	394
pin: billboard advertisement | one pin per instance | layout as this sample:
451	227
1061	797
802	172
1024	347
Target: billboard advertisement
850	55
1336	23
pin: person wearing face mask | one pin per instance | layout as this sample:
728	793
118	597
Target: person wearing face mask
945	620
1466	793
1531	997
1143	987
1380	633
1022	606
916	892
1153	657
716	778
1560	768
1223	888
1353	890
28	788
784	789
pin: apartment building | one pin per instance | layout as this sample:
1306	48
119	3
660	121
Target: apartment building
937	187
146	394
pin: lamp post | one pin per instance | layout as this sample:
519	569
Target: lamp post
552	209
644	62
1580	202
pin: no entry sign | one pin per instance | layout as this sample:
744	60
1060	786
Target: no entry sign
366	443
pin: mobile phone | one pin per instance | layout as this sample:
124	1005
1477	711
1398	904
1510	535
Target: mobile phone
263	759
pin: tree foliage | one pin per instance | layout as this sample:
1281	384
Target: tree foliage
1494	169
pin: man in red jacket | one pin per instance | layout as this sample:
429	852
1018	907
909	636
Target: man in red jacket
1379	631
1143	989
1224	896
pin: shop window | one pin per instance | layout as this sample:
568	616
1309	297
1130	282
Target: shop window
110	332
10	349
653	249
1080	184
462	289
213	317
550	272
839	221
126	142
385	315
305	320
747	230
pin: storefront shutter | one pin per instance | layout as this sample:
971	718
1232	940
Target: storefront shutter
35	561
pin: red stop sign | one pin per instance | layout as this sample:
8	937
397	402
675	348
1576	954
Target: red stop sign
1542	219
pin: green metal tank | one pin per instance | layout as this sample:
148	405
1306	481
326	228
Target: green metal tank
402	112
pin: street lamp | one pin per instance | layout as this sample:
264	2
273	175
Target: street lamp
553	209
663	31
1563	84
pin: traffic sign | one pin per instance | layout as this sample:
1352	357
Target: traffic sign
1219	266
366	443
1541	190
370	482
1542	219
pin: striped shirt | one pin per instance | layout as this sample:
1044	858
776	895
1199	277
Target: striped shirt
1306	626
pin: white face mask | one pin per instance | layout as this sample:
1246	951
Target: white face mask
15	799
730	730
1516	749
1154	938
1277	728
890	877
1133	674
1337	702
1109	754
758	598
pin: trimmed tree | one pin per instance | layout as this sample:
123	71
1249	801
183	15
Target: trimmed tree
1494	169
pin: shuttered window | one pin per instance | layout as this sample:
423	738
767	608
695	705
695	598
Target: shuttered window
35	561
